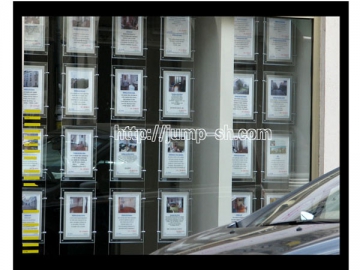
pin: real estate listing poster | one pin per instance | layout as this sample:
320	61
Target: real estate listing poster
31	215
278	98
243	91
244	38
241	205
278	40
177	37
277	157
126	215
34	33
78	152
80	34
80	91
129	35
128	92
176	94
32	152
174	215
127	155
175	155
77	216
242	157
33	89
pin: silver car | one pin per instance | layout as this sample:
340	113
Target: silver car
303	222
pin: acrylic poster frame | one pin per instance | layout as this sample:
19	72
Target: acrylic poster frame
34	149
175	147
174	205
279	95
176	100
36	83
127	223
277	157
77	208
245	40
279	46
128	93
32	215
79	91
271	195
243	158
122	151
80	36
241	204
129	41
36	35
78	152
177	38
245	93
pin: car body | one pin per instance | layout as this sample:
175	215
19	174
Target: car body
306	221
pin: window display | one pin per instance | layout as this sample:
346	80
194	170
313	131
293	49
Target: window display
165	82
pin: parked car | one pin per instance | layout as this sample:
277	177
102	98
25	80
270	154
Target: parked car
306	221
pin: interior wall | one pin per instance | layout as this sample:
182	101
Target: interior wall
212	171
332	88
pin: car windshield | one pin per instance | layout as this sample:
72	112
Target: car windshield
317	203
